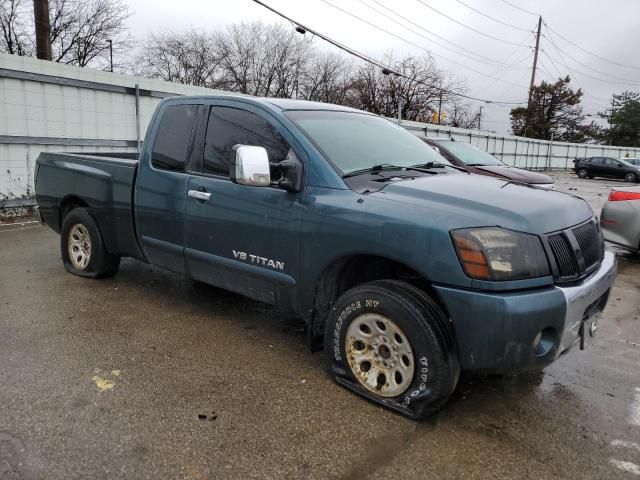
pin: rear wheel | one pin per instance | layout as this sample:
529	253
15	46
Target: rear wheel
582	173
82	248
391	343
630	177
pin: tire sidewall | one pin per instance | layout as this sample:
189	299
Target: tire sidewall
81	216
429	384
582	173
631	177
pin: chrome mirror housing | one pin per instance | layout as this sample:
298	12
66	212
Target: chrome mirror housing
250	166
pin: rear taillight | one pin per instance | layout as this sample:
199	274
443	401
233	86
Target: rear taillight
619	196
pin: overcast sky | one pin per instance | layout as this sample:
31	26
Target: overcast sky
610	29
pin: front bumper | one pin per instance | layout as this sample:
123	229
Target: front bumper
514	331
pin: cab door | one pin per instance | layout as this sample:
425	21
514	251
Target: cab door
242	238
161	185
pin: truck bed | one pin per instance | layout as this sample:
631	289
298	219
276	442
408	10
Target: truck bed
103	182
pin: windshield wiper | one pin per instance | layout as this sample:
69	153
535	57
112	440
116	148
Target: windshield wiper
374	169
437	165
429	165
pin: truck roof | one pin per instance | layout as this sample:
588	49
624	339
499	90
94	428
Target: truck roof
278	103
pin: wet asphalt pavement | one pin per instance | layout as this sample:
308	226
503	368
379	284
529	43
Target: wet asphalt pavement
149	375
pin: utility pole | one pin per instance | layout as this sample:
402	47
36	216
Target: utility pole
440	108
43	29
535	61
480	118
110	42
613	106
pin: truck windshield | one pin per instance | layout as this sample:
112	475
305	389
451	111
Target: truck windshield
356	142
470	155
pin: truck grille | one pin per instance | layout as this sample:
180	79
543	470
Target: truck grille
577	251
590	243
563	253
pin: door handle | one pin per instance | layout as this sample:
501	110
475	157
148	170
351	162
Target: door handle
198	195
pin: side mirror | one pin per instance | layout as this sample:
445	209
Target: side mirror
250	166
290	171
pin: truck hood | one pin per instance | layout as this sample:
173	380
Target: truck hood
463	200
515	174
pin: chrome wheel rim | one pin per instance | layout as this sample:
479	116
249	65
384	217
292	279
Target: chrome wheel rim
379	355
630	177
582	173
79	246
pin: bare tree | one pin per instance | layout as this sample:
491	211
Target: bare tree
327	78
188	57
263	60
418	90
275	61
462	116
80	30
13	27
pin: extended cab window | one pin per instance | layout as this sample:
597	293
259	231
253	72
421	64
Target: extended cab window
227	127
172	139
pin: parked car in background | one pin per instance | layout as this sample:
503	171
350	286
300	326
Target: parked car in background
478	161
620	218
606	167
633	161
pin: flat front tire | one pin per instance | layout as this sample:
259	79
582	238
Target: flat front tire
391	343
82	248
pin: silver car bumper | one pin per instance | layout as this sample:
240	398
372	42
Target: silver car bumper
587	300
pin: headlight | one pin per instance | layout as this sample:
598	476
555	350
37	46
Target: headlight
497	254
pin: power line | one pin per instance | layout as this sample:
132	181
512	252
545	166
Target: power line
480	32
409	42
487	83
492	18
493	61
587	51
598	100
496	62
521	9
579	72
561	52
385	69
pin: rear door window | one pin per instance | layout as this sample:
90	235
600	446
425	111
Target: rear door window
228	126
173	136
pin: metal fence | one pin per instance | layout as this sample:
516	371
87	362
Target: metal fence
47	106
523	152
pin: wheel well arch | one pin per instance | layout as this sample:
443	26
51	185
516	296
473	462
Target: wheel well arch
68	203
350	271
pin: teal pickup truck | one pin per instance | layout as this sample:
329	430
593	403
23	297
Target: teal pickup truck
405	269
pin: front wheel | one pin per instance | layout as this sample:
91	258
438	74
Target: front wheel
391	343
582	173
630	177
82	248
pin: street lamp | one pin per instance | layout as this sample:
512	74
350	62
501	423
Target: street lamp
110	42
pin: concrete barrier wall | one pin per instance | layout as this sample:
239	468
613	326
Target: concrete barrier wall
47	106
